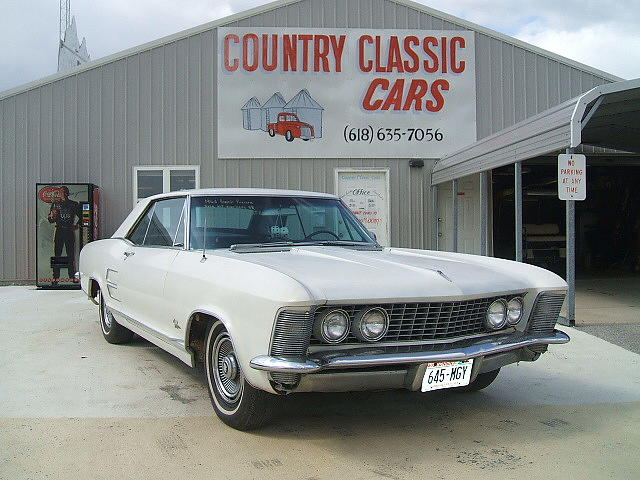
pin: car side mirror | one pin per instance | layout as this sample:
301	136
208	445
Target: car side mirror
373	235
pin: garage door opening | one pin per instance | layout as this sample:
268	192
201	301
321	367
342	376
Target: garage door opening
607	222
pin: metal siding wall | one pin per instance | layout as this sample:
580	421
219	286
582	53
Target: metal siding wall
32	161
21	209
9	190
157	107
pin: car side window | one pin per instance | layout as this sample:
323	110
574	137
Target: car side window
140	230
162	224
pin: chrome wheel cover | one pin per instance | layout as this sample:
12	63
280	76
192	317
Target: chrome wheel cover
226	372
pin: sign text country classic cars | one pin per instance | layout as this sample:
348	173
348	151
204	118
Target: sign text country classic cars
345	93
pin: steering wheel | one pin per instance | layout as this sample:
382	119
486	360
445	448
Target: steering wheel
318	232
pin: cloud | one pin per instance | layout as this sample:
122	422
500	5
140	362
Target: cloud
600	33
600	46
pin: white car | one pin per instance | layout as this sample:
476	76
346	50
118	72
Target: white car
275	292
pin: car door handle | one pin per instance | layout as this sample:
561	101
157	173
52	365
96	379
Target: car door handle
129	254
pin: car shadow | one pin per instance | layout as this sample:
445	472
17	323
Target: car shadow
518	402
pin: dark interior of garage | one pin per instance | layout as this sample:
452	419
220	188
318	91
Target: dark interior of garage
607	222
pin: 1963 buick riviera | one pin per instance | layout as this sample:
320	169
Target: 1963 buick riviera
276	292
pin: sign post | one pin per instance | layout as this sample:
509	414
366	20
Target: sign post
572	187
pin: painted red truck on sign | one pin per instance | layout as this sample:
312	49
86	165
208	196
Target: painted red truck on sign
291	127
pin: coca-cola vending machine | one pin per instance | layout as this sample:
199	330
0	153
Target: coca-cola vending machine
66	220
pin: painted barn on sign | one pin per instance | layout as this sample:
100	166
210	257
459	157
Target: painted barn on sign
251	115
271	109
307	109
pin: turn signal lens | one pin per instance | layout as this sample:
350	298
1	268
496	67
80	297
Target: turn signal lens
497	315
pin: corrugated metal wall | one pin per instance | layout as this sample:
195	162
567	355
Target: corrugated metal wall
157	107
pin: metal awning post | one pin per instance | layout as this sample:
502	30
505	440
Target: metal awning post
454	192
518	211
484	213
571	257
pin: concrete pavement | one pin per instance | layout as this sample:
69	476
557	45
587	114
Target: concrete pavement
608	300
73	406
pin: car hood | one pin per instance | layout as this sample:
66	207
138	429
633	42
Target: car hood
344	274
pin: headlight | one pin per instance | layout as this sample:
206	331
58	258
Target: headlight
514	310
332	327
371	325
497	314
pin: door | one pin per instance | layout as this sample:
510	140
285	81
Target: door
469	214
148	255
445	212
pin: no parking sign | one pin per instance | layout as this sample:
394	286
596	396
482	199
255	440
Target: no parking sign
572	177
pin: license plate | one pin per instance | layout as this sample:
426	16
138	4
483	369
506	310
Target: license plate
447	375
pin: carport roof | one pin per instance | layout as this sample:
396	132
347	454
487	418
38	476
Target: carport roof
606	116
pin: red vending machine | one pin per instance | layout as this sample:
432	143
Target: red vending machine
66	220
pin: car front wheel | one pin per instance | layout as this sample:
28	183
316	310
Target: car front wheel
112	331
289	136
236	403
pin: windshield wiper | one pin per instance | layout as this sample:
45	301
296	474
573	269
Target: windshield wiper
239	246
345	243
311	243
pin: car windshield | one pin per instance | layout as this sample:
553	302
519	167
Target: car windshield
226	221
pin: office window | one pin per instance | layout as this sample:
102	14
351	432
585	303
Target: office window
152	180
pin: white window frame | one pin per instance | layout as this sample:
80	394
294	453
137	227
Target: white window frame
166	177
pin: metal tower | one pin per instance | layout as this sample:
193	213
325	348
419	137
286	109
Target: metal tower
71	52
65	17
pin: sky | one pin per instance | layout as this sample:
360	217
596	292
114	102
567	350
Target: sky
601	33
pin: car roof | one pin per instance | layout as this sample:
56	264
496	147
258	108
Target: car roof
254	192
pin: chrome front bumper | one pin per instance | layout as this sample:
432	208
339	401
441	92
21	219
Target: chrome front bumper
406	355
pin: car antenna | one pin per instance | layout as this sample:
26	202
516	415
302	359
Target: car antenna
204	242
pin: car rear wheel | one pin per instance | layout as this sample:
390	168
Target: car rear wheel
272	132
483	380
289	136
236	403
112	331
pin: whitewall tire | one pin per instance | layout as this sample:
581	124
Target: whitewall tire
236	403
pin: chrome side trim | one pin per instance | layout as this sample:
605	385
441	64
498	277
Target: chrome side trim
174	346
373	357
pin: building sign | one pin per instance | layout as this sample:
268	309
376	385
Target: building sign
572	177
366	193
336	93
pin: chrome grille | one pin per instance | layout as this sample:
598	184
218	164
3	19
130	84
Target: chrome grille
546	311
291	338
428	321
